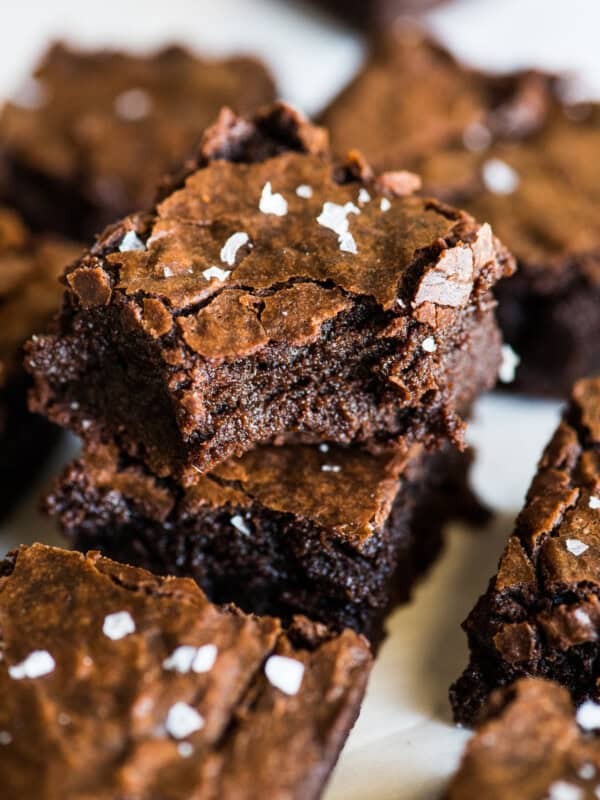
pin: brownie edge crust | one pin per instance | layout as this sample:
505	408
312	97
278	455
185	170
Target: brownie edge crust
333	533
274	291
540	615
115	683
529	746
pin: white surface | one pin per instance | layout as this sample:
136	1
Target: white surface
403	746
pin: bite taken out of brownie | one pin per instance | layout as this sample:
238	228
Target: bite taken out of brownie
30	293
88	137
274	291
541	613
529	746
115	683
334	533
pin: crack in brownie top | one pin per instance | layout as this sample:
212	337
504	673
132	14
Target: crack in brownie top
280	243
29	288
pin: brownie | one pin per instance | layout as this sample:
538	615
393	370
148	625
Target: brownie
529	746
29	293
540	615
511	151
334	533
274	292
541	193
375	14
116	683
89	136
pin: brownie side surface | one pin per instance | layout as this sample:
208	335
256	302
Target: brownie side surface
89	136
541	612
330	532
117	683
528	745
355	313
29	294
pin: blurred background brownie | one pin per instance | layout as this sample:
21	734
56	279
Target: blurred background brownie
529	746
90	135
334	533
29	294
540	615
375	14
511	151
117	683
274	292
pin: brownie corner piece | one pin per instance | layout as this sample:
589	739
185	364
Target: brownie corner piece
166	694
540	615
90	134
528	744
274	290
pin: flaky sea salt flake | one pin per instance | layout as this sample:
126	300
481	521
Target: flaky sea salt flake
588	716
305	191
285	674
576	547
36	665
182	720
272	203
216	272
239	524
118	625
230	249
131	241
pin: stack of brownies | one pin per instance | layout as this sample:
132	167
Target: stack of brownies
269	370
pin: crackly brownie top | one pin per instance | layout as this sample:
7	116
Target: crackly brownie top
554	552
265	238
531	747
29	288
345	491
413	98
115	122
116	683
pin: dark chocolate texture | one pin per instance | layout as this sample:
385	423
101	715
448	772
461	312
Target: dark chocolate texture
334	533
541	613
115	683
274	291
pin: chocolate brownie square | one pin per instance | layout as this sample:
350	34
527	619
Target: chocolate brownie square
511	151
529	746
115	683
89	136
334	533
541	613
274	291
29	293
540	192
